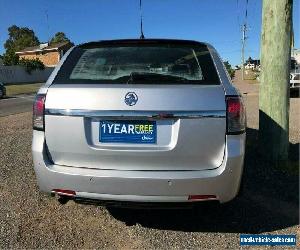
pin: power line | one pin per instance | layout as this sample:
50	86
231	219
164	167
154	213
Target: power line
246	14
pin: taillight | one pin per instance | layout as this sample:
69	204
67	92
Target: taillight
38	112
236	117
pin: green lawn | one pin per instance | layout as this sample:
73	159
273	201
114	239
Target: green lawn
16	89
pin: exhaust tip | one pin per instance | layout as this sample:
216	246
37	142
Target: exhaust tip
63	192
63	195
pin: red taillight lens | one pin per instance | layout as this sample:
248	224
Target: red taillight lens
236	117
38	112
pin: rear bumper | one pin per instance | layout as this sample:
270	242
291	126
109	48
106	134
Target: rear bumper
142	186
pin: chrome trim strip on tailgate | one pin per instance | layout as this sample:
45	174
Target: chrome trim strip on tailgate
137	114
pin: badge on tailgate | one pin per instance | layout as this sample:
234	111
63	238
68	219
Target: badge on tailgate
127	132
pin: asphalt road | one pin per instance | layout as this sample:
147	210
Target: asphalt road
15	105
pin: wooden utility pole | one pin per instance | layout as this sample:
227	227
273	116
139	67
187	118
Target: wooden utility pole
244	29
274	85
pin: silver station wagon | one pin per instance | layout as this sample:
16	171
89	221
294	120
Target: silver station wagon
140	120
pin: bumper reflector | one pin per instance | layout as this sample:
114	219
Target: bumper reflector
199	197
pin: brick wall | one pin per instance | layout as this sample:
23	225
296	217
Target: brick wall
48	58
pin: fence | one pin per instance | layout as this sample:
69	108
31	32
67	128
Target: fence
17	74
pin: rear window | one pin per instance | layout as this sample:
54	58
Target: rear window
138	63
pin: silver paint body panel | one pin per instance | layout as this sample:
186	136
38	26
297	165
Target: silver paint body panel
142	186
193	154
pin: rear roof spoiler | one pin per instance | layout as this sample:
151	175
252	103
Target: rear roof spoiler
140	41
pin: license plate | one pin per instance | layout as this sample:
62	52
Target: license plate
127	132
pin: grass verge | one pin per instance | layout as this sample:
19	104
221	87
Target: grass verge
16	89
251	76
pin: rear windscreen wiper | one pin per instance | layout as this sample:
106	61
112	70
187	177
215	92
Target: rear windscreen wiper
141	76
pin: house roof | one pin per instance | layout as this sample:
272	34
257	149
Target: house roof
38	48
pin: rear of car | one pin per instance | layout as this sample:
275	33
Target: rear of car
139	120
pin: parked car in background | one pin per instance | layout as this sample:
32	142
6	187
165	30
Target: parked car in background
142	120
2	90
294	81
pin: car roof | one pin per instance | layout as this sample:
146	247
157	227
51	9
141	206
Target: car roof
141	41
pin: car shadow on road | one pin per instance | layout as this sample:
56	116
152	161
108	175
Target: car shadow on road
269	201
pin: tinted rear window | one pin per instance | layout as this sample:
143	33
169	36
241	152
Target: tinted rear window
138	63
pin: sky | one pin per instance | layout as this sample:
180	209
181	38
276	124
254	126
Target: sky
217	22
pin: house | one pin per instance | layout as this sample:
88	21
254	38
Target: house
252	64
255	62
295	54
49	54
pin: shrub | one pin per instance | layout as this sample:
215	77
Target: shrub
31	64
230	70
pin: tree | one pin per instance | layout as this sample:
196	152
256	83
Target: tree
10	58
230	70
274	85
249	60
59	37
19	38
